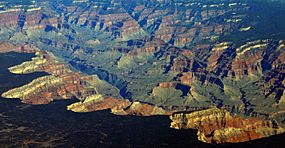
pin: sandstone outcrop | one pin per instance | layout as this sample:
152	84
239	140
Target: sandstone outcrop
117	106
219	126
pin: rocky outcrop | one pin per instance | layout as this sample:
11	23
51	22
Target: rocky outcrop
62	83
219	126
43	61
45	89
97	102
117	106
36	92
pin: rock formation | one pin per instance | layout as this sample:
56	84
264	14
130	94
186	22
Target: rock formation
62	83
117	106
219	126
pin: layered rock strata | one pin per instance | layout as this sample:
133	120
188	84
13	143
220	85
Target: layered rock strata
62	83
219	126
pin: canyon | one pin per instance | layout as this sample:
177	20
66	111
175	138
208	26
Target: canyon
176	58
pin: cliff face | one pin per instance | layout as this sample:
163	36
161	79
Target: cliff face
117	106
60	84
9	19
219	126
31	18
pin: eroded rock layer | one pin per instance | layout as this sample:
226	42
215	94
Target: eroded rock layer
62	83
219	126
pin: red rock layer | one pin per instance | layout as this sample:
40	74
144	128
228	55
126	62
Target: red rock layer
218	126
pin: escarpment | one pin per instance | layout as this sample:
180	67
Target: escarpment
219	126
62	83
117	106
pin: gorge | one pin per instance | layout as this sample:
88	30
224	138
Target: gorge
216	66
